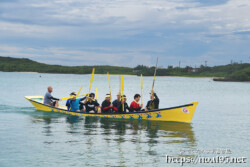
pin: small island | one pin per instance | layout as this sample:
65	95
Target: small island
230	72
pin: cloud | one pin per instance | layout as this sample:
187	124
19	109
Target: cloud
124	16
124	32
68	57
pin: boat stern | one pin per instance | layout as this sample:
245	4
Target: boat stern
37	102
35	98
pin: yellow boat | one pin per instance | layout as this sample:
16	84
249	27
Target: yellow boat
183	113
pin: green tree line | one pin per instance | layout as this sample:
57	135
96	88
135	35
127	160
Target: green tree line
233	72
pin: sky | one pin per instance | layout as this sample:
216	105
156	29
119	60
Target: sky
126	33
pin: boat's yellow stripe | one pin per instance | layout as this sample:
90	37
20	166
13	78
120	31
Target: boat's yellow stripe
178	114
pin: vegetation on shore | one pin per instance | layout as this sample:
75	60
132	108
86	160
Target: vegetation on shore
9	64
230	72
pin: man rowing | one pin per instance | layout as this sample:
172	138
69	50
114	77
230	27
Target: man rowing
91	104
107	107
135	106
74	103
67	102
118	100
123	106
153	103
49	99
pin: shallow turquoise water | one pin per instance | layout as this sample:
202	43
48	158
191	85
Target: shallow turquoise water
34	138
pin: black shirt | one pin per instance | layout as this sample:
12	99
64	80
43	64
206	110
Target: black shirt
153	104
105	107
91	106
120	108
116	103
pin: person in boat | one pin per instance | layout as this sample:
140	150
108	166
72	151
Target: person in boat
91	104
117	101
120	108
68	101
107	107
153	103
135	106
74	103
49	99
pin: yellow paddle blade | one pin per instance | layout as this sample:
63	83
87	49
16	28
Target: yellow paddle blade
69	97
79	91
122	87
109	81
122	83
96	93
92	78
92	75
141	82
109	89
141	88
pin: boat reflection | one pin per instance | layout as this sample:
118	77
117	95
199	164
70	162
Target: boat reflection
174	131
47	119
142	135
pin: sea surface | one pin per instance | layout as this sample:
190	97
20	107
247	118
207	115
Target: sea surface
34	138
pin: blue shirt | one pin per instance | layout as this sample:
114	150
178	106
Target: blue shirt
68	104
74	104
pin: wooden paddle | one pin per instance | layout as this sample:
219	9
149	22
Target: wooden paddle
77	95
91	80
122	89
141	88
109	89
79	91
120	86
96	93
154	77
69	97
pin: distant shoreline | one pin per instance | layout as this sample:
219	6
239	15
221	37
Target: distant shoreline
230	73
226	80
19	71
67	73
109	74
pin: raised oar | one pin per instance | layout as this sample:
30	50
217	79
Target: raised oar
122	88
69	97
79	91
141	88
154	77
65	98
96	93
91	80
109	89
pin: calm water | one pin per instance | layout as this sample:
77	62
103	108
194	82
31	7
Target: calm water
34	138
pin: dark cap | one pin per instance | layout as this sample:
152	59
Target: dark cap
73	93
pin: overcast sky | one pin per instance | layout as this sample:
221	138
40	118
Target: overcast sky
126	32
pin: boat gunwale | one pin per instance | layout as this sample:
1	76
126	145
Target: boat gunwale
140	112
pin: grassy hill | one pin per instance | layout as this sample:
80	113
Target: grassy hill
230	72
8	64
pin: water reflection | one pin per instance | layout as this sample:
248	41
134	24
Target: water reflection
179	132
46	120
174	131
144	138
150	137
72	120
